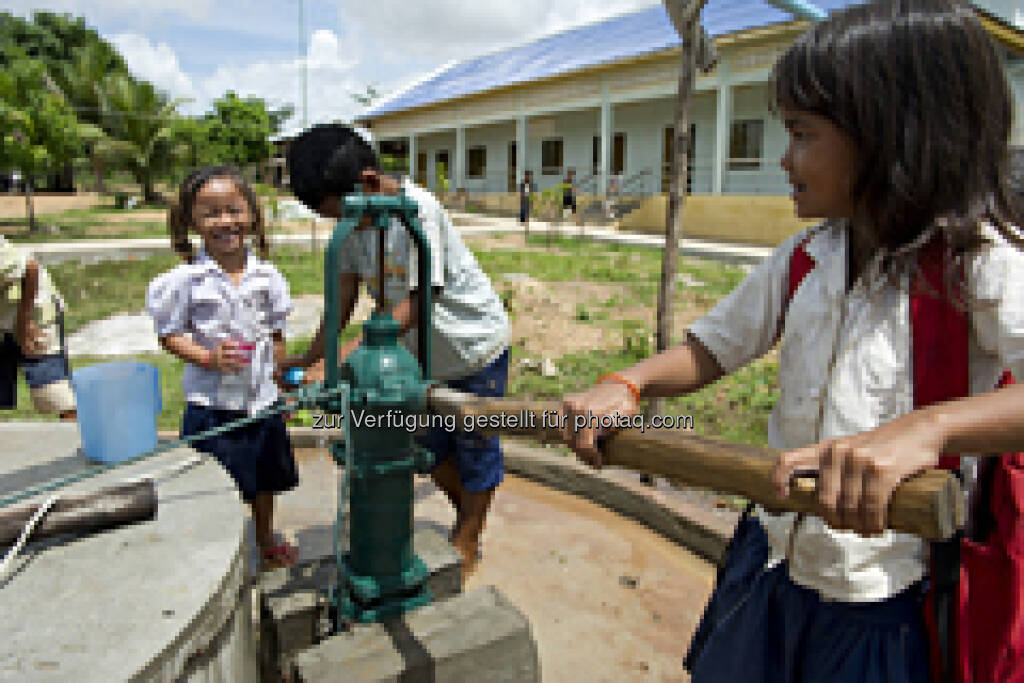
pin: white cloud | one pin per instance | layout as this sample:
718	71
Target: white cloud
331	80
157	64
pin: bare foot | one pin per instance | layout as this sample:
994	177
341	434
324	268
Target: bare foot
470	559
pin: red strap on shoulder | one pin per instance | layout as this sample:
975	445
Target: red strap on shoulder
939	333
800	264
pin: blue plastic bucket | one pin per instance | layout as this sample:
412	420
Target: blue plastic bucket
118	404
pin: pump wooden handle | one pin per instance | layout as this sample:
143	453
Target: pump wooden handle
84	514
929	504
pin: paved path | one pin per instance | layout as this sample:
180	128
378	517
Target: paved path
469	224
128	334
133	333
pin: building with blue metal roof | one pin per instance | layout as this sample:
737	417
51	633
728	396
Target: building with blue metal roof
600	99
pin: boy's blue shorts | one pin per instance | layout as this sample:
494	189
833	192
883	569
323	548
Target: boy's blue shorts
39	370
258	456
477	458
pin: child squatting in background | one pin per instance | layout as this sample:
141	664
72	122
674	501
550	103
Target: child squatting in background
898	115
30	336
223	312
469	327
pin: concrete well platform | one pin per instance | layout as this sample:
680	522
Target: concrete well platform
164	600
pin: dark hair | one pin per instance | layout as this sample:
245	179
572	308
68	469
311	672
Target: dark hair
326	161
179	218
919	88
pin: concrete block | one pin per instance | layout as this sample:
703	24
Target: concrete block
291	601
443	562
478	636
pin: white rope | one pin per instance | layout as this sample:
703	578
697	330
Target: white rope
13	552
156	475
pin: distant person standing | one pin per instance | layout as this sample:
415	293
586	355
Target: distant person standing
569	196
526	188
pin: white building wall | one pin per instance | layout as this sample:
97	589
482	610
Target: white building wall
753	102
643	122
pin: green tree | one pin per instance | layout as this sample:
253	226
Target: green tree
81	79
191	139
38	130
367	97
140	121
240	129
279	116
77	60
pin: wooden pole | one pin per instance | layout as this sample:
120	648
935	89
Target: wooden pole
929	505
686	18
106	508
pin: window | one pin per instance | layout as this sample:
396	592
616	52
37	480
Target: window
476	166
746	145
618	160
551	157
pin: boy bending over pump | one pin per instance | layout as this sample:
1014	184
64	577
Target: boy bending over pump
469	327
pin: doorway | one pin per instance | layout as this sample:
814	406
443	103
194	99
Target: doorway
441	172
511	167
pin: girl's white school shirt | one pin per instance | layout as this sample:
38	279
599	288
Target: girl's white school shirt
845	367
200	299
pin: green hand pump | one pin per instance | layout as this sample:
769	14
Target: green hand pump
380	575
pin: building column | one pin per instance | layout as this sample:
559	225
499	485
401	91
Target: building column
605	146
520	149
722	128
460	158
412	159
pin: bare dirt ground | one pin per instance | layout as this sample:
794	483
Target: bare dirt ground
607	599
546	322
13	205
132	217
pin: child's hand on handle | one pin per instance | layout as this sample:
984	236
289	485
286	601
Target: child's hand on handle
604	398
857	474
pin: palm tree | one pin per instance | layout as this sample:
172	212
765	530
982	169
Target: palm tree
81	80
38	130
139	119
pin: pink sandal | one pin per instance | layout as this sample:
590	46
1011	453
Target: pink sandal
281	556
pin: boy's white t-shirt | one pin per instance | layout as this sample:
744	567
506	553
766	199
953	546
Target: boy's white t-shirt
469	323
844	368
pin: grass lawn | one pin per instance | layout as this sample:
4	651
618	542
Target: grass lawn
735	408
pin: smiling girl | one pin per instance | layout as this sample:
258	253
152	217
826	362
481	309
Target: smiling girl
223	312
898	115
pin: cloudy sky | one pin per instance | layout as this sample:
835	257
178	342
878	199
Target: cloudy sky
199	49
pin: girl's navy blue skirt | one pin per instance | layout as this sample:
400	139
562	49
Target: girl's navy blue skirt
258	456
759	626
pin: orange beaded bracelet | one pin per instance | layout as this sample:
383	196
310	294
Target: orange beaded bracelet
616	377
